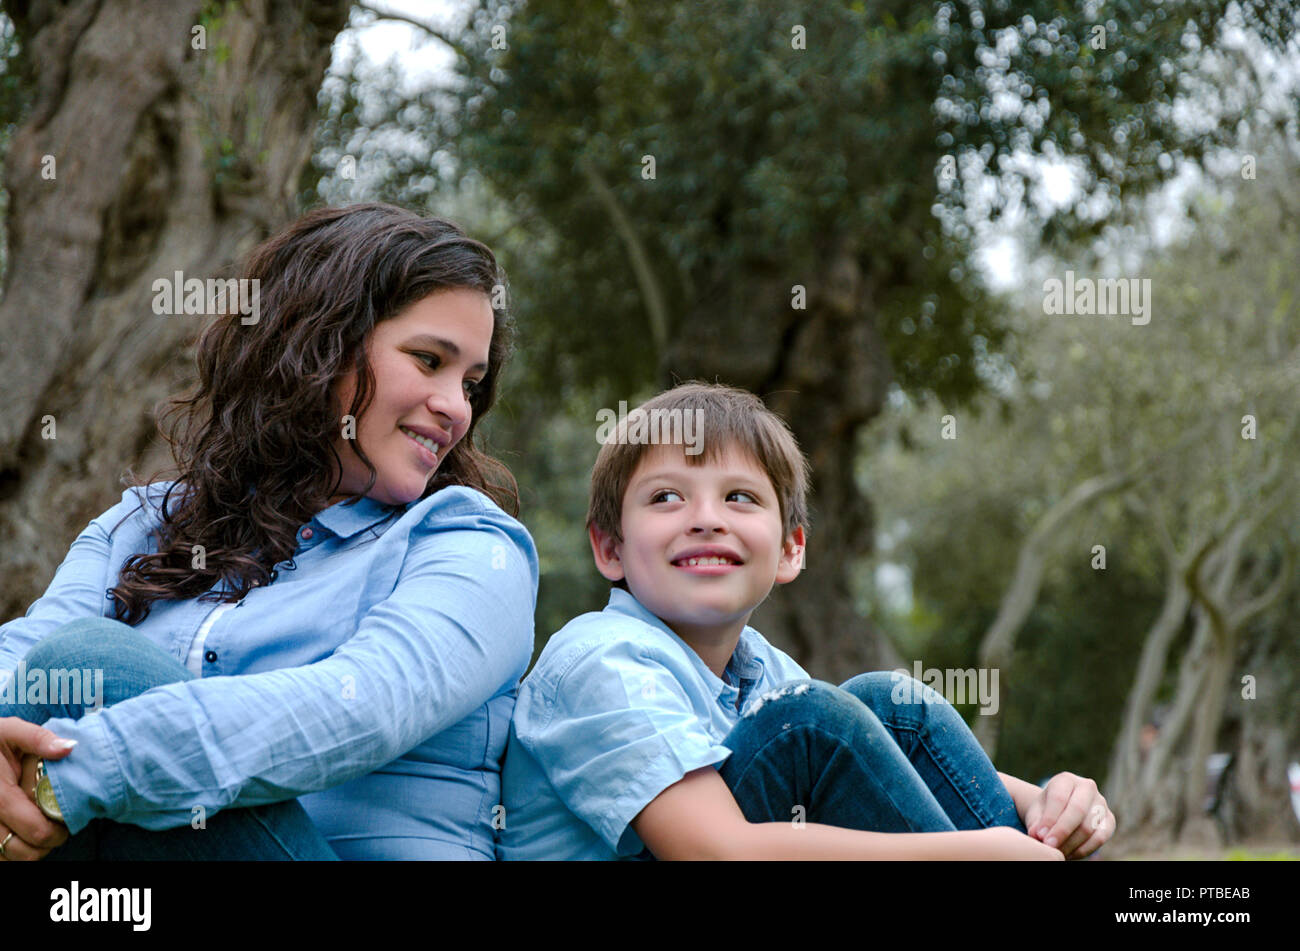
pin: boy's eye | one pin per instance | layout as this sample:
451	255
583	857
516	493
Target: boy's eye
744	496
662	496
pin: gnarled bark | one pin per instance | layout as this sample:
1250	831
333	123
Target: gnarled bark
165	158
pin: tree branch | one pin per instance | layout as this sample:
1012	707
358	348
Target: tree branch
656	310
432	31
1266	598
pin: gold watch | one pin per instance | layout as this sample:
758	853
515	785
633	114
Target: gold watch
45	800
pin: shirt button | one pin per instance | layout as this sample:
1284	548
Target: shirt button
306	533
210	657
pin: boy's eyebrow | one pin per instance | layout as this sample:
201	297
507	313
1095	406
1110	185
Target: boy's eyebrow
669	474
428	340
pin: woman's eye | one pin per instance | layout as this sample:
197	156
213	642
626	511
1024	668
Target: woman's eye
664	496
433	361
472	387
744	496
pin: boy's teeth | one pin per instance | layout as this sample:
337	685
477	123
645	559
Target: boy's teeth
424	441
713	560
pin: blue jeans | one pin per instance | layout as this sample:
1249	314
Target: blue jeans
132	665
868	755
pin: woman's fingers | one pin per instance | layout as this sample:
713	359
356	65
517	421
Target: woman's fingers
16	850
27	737
18	814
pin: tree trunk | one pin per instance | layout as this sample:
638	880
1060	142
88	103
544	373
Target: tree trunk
824	369
1022	593
142	156
1123	783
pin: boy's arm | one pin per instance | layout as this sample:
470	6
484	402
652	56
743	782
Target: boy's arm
698	818
1022	793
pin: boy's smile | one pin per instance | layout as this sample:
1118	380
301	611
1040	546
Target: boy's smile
702	545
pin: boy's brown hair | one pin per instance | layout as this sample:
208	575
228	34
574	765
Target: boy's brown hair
732	419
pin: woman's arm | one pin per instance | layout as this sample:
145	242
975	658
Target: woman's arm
77	590
457	627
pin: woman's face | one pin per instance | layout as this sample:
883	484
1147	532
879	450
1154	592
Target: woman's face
426	361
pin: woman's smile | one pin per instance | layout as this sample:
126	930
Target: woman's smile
426	362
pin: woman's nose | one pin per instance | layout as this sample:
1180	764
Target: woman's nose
451	406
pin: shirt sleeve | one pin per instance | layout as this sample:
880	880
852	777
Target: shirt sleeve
612	732
457	628
77	591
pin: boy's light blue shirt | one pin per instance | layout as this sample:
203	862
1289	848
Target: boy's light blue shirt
617	709
376	677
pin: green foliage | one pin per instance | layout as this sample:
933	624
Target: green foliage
767	157
764	155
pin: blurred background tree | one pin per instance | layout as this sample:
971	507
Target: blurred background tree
785	198
143	139
1190	609
778	197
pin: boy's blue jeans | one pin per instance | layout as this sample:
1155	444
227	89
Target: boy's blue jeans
132	665
880	753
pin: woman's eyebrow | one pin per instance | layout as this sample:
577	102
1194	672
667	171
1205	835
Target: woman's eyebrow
428	340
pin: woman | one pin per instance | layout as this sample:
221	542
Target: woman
328	604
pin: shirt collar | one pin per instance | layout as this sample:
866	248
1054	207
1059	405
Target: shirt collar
744	663
346	520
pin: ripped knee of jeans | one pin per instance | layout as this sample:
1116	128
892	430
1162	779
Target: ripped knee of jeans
797	689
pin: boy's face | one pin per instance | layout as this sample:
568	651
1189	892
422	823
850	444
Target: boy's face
702	544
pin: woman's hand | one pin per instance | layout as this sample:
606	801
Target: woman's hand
1071	814
34	835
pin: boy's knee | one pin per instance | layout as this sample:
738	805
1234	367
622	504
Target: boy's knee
880	689
891	688
801	701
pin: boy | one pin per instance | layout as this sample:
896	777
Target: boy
651	729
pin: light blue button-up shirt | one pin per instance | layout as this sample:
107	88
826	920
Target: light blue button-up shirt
375	679
617	709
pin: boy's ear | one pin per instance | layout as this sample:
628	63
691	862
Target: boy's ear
792	557
607	551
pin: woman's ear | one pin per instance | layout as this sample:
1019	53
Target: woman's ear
792	556
607	551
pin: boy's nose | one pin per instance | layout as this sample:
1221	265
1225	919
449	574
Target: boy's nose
706	518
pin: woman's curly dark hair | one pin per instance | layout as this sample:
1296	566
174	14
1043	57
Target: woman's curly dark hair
254	441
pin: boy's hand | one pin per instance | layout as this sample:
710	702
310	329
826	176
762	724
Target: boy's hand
1005	844
1070	814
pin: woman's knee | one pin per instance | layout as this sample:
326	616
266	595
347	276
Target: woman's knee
75	644
123	659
